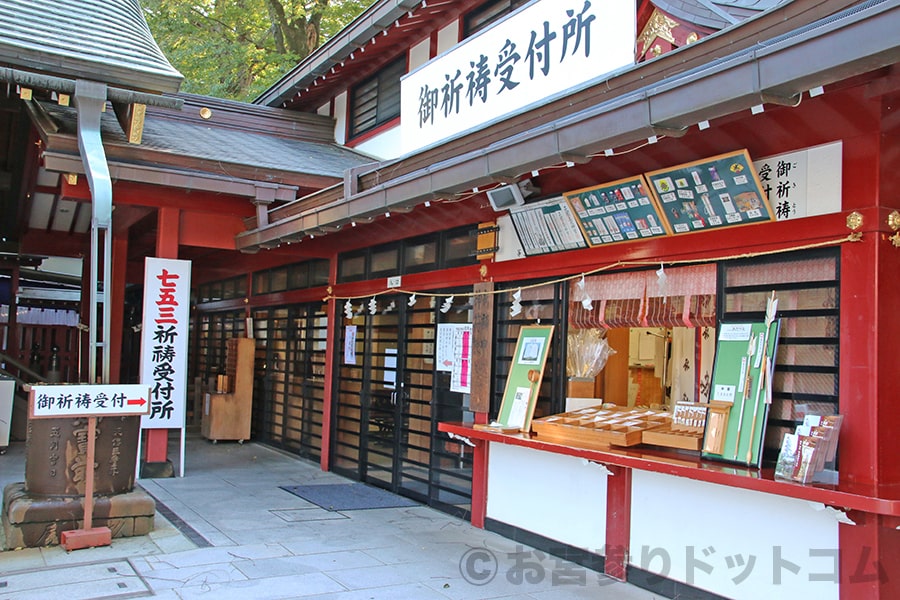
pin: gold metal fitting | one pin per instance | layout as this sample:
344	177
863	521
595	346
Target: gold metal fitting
854	221
893	220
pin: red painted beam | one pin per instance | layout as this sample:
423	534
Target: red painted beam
618	522
209	230
870	550
869	558
140	194
54	243
479	483
329	400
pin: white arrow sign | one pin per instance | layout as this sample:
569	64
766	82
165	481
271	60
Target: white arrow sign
89	400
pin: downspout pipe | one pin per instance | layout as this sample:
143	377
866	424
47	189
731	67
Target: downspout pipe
90	99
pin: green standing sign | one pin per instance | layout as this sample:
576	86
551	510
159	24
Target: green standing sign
524	379
742	374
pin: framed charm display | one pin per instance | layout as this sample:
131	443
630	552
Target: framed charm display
617	211
721	191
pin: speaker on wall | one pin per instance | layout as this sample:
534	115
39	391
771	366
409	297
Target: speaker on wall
505	197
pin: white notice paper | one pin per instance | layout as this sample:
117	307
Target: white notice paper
735	332
350	345
519	408
724	393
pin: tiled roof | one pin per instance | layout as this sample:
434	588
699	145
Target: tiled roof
219	145
715	14
101	40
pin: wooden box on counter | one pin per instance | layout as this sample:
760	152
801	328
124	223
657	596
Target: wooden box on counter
599	427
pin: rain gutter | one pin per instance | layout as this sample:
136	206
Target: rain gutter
62	85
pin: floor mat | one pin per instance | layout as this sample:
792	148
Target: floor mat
348	496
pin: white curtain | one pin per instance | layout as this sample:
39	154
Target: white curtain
40	316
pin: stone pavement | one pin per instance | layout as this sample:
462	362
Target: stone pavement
226	530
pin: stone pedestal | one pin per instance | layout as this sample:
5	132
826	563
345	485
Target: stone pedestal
51	499
31	521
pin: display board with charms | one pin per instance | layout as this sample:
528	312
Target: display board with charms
720	191
617	211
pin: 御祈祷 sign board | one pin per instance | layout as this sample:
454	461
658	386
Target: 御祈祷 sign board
547	226
617	211
164	341
803	183
100	400
543	49
720	191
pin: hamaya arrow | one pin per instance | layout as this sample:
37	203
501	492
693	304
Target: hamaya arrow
138	401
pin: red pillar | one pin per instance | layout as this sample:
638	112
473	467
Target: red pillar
618	522
869	558
479	482
335	319
167	235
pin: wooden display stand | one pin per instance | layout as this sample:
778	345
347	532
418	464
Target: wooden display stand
685	431
226	413
598	427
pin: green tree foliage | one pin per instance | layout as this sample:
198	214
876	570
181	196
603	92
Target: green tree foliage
236	49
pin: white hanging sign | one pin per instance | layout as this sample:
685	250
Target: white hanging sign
461	375
539	51
164	341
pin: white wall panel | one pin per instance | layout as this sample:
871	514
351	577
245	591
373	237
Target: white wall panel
559	497
733	542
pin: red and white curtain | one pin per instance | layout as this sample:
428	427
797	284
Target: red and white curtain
676	297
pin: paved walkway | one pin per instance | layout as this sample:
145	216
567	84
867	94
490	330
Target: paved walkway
227	530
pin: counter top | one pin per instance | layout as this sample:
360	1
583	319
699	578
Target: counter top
846	495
